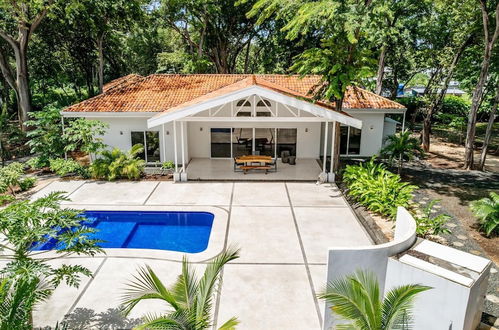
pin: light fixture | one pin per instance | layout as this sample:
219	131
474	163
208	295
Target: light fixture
200	129
167	132
306	130
121	132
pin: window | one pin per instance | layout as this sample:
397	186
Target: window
350	140
150	141
244	103
263	103
243	114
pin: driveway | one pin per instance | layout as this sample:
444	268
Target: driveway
283	230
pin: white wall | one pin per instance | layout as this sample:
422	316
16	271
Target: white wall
345	261
308	143
372	133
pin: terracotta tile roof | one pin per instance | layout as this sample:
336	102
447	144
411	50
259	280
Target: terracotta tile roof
122	81
166	92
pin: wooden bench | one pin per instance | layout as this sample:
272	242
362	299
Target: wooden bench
247	168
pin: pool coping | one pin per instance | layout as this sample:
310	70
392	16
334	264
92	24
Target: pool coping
215	244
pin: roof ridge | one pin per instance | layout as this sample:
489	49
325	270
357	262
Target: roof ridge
375	95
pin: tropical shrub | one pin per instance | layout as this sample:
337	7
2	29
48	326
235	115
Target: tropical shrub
62	167
46	137
376	188
35	163
26	225
83	134
190	298
27	183
116	164
11	176
167	165
487	212
357	298
402	147
5	199
426	224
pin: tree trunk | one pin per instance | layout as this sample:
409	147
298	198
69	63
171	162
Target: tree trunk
489	41
488	132
475	104
100	73
22	81
437	99
381	70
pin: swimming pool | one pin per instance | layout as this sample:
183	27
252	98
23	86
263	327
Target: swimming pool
164	230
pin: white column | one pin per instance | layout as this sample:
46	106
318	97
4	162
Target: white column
175	145
182	143
275	144
326	124
333	149
253	142
163	139
65	152
403	122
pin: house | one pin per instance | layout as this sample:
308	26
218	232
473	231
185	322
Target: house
180	118
453	89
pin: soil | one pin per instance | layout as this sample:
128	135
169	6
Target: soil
443	179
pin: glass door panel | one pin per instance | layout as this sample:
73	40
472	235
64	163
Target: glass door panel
152	143
242	141
286	140
138	138
220	142
265	141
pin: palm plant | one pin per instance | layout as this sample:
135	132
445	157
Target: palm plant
190	298
18	295
116	164
402	147
487	211
356	298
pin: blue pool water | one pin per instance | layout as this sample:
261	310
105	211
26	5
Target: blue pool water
175	231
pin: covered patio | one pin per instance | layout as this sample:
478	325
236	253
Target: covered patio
210	169
252	117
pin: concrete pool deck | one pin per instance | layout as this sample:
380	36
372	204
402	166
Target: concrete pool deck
282	228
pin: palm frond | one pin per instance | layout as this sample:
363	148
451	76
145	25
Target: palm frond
230	324
398	302
146	285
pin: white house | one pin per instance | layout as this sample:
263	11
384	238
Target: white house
183	118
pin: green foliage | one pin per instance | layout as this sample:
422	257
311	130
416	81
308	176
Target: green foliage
11	176
167	165
377	189
46	138
116	164
35	163
402	147
5	199
191	298
487	212
455	105
356	298
64	167
12	139
27	183
427	224
18	296
341	58
31	276
29	224
83	134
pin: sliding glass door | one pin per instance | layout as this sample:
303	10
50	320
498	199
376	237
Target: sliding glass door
238	141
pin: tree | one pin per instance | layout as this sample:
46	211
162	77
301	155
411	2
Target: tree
489	41
26	226
356	298
342	58
190	297
488	132
20	21
84	135
218	31
402	147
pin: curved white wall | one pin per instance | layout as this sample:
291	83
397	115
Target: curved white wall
344	261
